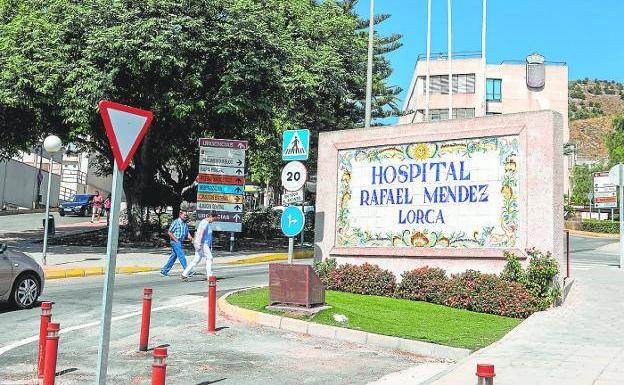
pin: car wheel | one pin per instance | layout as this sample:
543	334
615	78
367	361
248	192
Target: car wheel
61	212
26	290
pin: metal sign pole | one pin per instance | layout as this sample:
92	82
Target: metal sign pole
109	278
621	178
291	244
47	217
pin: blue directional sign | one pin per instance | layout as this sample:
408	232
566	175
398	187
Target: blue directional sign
296	145
219	188
293	221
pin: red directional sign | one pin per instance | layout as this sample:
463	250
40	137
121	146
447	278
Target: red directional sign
221	179
125	128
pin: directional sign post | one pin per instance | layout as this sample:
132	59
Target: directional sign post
292	223
221	183
125	128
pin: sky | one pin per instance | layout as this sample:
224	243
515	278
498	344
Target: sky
587	35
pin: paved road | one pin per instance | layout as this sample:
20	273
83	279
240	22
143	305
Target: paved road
237	354
28	222
586	252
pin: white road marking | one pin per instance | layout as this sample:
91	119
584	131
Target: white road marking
28	340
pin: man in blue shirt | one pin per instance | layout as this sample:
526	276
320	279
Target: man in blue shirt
203	247
178	232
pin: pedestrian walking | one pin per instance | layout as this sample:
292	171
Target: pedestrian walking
96	207
107	206
178	232
203	247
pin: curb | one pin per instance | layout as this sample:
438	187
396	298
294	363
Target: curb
302	254
338	333
60	273
590	234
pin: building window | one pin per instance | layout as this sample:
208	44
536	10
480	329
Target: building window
462	84
493	113
438	114
494	90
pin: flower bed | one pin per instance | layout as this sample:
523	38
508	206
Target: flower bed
514	293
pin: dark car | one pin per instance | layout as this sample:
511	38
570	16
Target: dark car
21	278
79	204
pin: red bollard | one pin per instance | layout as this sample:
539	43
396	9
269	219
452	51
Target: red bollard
159	367
51	350
46	316
145	319
212	303
486	374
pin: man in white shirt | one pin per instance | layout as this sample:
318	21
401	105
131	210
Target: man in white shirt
203	247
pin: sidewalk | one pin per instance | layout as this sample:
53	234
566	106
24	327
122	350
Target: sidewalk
81	261
579	343
21	237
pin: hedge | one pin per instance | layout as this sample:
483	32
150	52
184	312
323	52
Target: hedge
598	226
514	293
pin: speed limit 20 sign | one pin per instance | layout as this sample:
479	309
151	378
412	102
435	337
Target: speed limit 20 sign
294	176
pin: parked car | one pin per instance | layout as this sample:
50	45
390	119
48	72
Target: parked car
79	204
21	278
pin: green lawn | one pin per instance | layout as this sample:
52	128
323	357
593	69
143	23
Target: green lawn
397	317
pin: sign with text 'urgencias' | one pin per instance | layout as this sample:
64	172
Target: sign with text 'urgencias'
448	194
221	182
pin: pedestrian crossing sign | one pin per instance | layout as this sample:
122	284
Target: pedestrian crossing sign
296	145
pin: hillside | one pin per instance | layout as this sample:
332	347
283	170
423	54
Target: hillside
591	107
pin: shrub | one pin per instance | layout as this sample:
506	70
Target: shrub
362	279
261	224
541	277
598	226
324	269
423	284
513	271
488	293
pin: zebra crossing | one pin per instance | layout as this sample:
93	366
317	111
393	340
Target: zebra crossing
587	264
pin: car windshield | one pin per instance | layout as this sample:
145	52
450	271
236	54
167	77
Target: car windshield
80	198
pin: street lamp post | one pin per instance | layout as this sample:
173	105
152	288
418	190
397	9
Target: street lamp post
52	144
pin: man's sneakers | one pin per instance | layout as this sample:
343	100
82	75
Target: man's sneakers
163	274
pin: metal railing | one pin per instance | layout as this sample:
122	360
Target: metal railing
65	193
70	175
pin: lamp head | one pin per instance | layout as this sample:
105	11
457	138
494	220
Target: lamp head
52	144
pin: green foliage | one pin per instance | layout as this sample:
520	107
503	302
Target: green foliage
362	279
513	271
397	317
262	224
583	181
568	210
423	284
615	141
239	69
515	293
488	293
542	277
598	226
324	268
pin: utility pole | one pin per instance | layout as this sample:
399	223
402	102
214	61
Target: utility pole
427	80
369	67
450	61
483	63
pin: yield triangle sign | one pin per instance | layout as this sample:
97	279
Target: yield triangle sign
125	127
